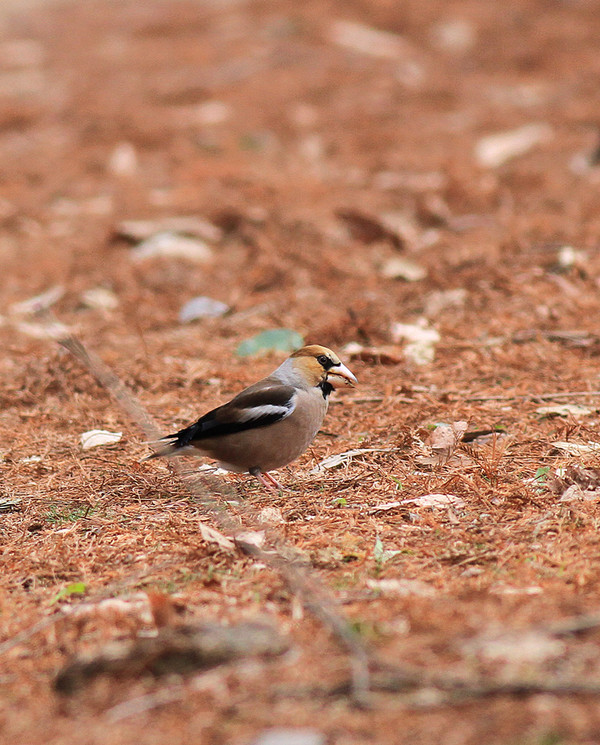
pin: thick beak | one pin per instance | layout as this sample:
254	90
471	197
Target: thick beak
341	371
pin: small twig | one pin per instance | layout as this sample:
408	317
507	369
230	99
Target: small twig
142	704
464	689
576	625
534	396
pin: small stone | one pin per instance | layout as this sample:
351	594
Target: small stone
169	245
202	307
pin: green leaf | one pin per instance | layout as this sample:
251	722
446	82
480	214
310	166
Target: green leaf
282	340
380	554
75	588
541	474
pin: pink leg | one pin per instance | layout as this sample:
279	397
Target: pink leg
274	481
266	480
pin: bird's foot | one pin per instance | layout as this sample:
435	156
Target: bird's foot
266	480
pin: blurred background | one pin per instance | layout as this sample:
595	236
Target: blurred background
342	160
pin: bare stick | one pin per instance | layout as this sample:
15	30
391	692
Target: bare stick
535	396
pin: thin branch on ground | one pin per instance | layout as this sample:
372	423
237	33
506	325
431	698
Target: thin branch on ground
459	690
533	396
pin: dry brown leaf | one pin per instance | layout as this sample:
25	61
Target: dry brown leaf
212	535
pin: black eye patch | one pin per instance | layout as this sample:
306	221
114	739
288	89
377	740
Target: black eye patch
325	362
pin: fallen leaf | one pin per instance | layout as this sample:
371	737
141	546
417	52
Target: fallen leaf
212	535
576	448
575	338
75	588
440	300
343	459
402	587
250	539
399	267
46	330
494	150
270	516
96	437
367	228
123	160
445	438
384	507
214	470
524	647
134	607
100	298
211	113
290	736
37	303
569	257
283	340
386	355
501	589
574	410
141	230
575	493
381	554
368	40
171	245
421	339
436	501
456	35
9	504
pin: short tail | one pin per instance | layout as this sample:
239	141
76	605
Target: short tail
163	449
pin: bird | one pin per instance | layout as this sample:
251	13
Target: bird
270	423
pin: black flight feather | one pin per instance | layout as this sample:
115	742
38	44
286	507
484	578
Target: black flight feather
229	418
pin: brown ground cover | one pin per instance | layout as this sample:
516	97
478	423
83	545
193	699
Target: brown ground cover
322	156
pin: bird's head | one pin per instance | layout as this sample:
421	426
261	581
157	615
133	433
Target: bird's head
319	365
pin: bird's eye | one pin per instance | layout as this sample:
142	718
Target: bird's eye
324	361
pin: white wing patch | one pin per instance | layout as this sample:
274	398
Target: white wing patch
258	412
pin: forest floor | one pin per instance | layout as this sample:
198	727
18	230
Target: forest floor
415	185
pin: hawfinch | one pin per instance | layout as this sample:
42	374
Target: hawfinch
269	424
